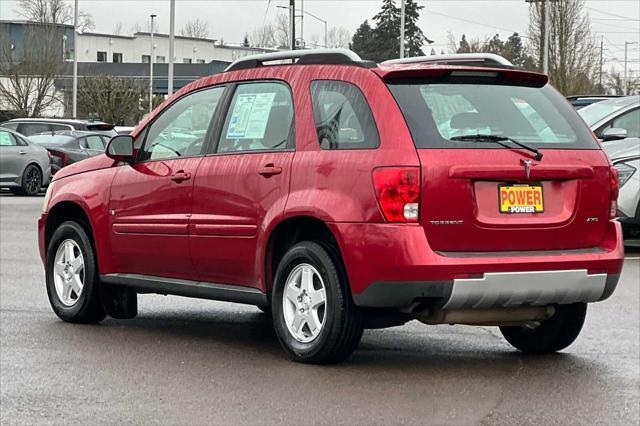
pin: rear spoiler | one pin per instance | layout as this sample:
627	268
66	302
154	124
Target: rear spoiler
100	126
461	74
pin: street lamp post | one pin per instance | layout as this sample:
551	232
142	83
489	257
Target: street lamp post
75	60
172	23
152	16
313	16
402	24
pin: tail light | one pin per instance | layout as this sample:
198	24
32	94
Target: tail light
615	189
398	193
61	156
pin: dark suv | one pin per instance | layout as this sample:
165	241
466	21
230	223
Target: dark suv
338	195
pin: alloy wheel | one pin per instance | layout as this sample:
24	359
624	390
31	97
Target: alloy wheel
304	303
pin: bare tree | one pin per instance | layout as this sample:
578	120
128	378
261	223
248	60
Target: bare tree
338	37
196	28
113	99
28	74
281	33
46	11
85	21
136	28
572	50
117	30
263	36
314	40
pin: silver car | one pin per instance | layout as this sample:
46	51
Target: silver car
625	156
614	119
24	166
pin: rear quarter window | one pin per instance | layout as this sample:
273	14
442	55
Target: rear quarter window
342	116
437	112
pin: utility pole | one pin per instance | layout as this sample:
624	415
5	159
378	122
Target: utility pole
75	60
151	67
601	55
402	28
625	90
292	23
172	24
546	26
302	21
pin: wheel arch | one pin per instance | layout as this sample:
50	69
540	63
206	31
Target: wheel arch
64	211
292	230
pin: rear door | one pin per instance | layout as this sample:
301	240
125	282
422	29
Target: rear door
13	157
151	200
243	183
487	197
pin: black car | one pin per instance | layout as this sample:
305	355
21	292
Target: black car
34	126
67	147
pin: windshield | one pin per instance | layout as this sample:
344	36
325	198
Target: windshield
594	113
50	139
439	113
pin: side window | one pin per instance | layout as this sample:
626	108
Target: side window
181	129
59	127
629	121
12	126
260	118
30	129
342	116
94	142
7	139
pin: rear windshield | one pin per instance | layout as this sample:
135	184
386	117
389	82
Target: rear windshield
540	117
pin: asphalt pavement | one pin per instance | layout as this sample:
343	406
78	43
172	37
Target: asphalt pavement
188	361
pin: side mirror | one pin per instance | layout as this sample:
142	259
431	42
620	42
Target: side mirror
614	134
120	148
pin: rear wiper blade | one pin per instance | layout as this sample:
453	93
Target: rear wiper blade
497	139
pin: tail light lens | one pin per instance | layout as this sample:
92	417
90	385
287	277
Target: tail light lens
615	189
398	193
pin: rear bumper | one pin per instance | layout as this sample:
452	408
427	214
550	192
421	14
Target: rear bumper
392	266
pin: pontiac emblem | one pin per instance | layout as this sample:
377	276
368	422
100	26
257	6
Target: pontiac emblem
527	167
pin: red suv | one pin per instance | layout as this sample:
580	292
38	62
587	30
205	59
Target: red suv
339	195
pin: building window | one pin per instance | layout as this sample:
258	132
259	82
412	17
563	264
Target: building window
201	61
146	59
187	61
102	56
160	59
117	57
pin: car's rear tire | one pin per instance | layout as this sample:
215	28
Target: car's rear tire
72	276
552	335
315	320
31	181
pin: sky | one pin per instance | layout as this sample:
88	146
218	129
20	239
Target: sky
614	21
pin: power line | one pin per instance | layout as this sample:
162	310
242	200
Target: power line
605	13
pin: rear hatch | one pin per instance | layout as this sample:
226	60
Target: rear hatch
480	195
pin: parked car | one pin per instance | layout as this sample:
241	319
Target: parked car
614	119
33	126
124	130
625	155
24	166
67	147
582	101
340	195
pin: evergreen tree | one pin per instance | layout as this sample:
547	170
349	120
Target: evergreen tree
414	37
246	43
387	32
362	42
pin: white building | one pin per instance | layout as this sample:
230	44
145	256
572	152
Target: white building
96	47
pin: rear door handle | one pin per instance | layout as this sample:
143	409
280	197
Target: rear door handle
270	170
180	176
22	152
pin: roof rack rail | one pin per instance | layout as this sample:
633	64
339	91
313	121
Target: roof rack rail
310	56
472	59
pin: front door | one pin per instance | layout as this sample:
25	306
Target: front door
242	184
151	200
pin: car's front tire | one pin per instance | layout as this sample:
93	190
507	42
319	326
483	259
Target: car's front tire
72	276
313	313
552	335
30	183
